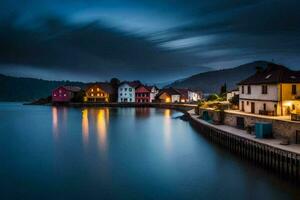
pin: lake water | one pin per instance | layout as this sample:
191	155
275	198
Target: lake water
125	153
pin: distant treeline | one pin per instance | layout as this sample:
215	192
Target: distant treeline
28	89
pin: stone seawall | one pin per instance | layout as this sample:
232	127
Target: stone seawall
278	159
280	128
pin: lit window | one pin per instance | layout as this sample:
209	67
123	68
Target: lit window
98	94
65	95
98	89
59	91
54	95
92	90
92	94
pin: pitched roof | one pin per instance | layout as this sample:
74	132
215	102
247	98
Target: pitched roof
106	87
144	86
133	84
273	74
183	92
169	91
70	88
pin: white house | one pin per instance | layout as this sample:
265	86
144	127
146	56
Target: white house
273	91
188	95
231	94
153	93
126	91
194	96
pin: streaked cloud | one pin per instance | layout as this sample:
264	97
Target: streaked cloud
155	41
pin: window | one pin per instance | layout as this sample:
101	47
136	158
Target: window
92	90
98	94
98	89
249	89
54	95
243	106
264	89
130	100
65	95
293	107
120	94
265	107
247	103
59	91
125	89
92	94
243	91
121	89
130	89
294	89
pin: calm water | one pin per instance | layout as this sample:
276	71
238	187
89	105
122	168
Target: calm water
126	153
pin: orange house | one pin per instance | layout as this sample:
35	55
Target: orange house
98	92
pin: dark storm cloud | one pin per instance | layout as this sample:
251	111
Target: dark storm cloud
150	40
90	49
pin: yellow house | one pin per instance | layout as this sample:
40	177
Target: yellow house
98	92
272	91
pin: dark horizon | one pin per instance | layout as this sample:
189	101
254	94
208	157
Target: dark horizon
151	41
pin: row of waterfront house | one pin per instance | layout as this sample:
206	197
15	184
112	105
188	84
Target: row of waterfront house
130	92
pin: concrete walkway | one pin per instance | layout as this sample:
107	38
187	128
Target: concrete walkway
295	148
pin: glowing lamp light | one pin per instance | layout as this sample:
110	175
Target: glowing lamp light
168	100
287	103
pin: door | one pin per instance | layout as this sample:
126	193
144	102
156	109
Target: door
252	107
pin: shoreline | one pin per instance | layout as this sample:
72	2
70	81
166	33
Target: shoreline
176	106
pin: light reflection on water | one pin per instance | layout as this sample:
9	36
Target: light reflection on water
85	126
102	123
167	129
115	153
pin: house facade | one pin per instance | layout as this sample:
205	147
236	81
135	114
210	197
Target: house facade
231	94
273	91
169	95
142	94
154	91
64	93
98	92
126	91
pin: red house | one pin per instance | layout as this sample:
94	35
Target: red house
64	93
142	94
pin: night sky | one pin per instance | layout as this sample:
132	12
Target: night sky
154	41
